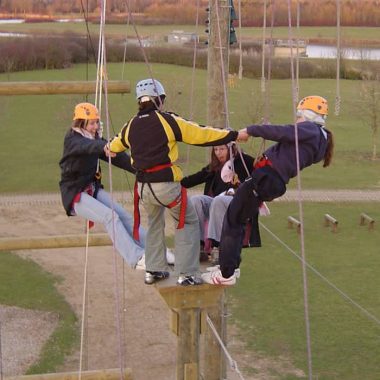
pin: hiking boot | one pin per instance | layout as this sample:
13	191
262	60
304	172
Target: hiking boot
152	277
189	280
215	256
216	278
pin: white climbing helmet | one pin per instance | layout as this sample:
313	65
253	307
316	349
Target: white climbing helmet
150	88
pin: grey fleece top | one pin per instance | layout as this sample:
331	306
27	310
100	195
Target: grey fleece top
312	142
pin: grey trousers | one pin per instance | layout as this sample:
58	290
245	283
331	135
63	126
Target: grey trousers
186	239
213	210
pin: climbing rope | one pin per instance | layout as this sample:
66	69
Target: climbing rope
192	88
225	97
231	361
325	279
1	355
297	89
263	47
338	53
84	304
300	205
116	287
240	75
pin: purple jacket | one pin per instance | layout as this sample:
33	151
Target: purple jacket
312	142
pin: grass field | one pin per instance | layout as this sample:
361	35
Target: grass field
120	31
32	127
267	302
24	284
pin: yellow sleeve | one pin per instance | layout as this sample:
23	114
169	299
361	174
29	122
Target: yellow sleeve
120	142
194	134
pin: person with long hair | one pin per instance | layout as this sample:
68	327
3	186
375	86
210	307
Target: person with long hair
217	195
82	191
271	175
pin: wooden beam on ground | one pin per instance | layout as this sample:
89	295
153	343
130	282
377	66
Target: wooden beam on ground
366	218
58	241
294	222
330	221
61	88
106	374
189	307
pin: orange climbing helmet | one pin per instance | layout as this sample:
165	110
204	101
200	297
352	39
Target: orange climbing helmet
314	103
85	111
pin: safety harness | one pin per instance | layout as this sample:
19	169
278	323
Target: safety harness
181	199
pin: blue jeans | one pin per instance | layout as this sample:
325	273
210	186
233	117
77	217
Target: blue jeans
99	210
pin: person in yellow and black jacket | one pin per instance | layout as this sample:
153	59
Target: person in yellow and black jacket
152	136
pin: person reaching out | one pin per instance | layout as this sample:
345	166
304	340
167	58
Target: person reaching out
152	137
81	189
271	175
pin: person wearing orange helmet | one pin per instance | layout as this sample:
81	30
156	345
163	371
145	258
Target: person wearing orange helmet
81	189
272	173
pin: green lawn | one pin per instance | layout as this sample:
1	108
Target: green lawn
32	127
24	284
120	31
267	302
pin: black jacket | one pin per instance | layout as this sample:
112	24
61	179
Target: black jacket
153	137
214	184
79	165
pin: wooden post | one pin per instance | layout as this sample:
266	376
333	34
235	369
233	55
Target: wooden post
216	112
55	88
329	220
106	374
187	304
366	218
294	222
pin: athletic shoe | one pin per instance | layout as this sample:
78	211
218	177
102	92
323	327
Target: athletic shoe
141	263
189	280
170	258
217	267
216	278
152	277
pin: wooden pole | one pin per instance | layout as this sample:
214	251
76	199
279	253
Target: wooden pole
187	305
58	241
106	374
216	112
55	88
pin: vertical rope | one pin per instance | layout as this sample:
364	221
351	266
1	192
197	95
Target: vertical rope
117	292
338	53
298	53
84	314
192	89
223	67
240	43
1	354
300	206
126	44
263	47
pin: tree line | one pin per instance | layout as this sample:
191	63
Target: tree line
313	13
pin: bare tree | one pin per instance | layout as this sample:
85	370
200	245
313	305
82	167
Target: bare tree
371	109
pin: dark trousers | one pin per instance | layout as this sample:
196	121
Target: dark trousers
264	185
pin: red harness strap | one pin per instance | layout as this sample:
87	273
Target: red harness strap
76	199
181	199
263	161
